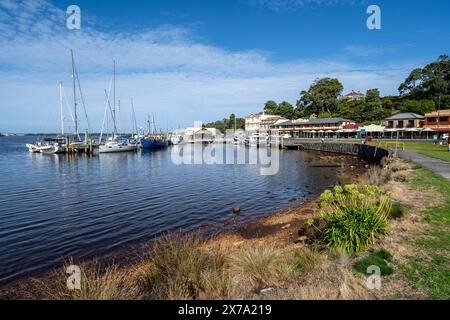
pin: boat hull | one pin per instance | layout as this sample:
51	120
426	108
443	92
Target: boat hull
54	150
117	148
153	144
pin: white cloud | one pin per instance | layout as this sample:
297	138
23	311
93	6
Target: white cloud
294	5
165	70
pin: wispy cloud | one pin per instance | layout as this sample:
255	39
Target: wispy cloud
167	71
294	5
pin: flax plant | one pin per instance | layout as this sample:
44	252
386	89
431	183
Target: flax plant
355	216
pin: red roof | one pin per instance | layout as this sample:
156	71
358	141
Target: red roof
355	94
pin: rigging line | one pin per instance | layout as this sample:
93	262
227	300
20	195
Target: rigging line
82	99
112	113
68	106
134	117
105	117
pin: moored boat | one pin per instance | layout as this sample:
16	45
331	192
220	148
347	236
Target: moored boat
154	142
115	145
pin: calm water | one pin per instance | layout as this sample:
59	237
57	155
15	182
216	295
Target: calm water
53	207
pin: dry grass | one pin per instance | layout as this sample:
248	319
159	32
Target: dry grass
97	283
179	268
377	176
330	278
262	254
257	268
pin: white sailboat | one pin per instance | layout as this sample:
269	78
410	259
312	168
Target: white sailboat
114	144
52	145
62	142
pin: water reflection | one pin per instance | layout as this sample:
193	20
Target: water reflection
58	206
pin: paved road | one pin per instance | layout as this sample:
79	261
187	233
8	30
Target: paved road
438	166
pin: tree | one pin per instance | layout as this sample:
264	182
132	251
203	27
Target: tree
321	97
418	106
226	124
231	121
351	109
286	110
271	107
430	82
373	104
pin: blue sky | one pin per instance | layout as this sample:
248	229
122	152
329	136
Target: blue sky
202	60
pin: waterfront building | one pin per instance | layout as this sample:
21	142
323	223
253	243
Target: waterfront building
407	125
438	121
355	95
313	128
261	122
372	130
201	135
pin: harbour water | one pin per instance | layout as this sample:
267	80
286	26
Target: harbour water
53	207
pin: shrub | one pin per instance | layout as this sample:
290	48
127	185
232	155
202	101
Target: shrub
397	210
379	258
354	215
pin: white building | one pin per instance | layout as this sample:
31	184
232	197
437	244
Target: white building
355	95
201	135
260	122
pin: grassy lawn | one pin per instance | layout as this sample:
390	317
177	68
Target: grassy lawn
431	270
427	149
441	155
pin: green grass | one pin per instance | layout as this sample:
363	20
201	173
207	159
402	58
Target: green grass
380	258
427	149
441	155
432	271
398	210
424	146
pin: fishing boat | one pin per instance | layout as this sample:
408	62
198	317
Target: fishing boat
153	140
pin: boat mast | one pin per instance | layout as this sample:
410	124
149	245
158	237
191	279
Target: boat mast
74	94
118	118
61	107
114	97
134	118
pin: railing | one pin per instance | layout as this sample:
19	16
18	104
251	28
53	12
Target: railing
395	143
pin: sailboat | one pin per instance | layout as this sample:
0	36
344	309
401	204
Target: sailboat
57	144
115	143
